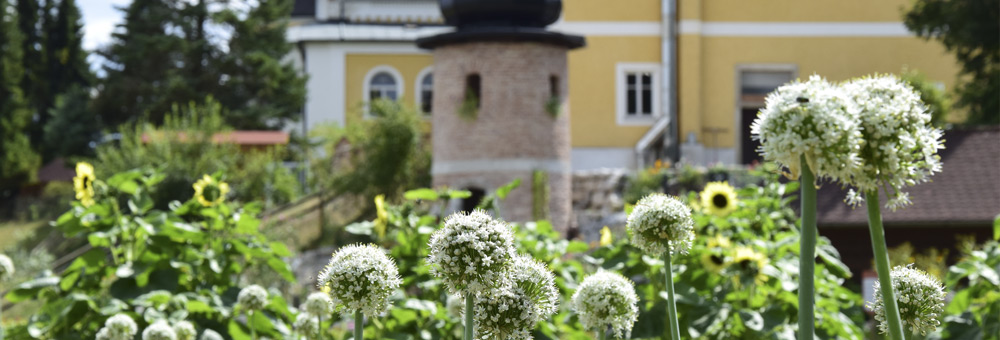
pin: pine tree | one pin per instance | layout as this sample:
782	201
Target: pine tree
67	74
262	91
32	85
142	65
18	162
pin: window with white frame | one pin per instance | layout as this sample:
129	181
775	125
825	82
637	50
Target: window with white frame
425	91
638	93
382	85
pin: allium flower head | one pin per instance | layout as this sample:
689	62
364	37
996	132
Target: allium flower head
120	327
185	330
899	146
209	334
252	298
6	268
658	219
471	252
719	198
318	304
809	119
103	334
306	324
505	313
536	280
607	299
360	277
920	299
159	330
83	183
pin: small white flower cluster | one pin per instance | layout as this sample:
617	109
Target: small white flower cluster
607	299
920	299
252	298
809	119
657	220
6	268
505	313
360	277
455	305
118	327
472	252
899	146
185	330
209	334
159	330
536	280
307	324
318	304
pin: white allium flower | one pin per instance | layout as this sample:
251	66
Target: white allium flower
455	305
120	327
919	297
504	313
103	334
360	277
471	252
185	330
306	324
537	281
657	219
318	304
6	268
252	297
809	119
607	299
209	334
899	146
159	330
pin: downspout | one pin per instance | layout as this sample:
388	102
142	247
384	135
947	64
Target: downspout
668	56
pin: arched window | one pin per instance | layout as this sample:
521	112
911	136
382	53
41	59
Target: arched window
383	85
425	90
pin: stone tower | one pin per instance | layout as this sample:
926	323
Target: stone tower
500	105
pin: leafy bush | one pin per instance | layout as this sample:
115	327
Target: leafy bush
184	150
974	310
184	262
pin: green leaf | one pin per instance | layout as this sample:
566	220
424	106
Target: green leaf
99	239
829	254
421	194
996	228
29	290
505	189
281	268
280	249
421	305
459	194
238	331
577	247
360	228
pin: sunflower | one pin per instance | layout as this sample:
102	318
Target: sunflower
210	192
83	183
718	241
719	198
751	265
713	261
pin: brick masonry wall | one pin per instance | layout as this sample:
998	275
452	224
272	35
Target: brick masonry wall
512	123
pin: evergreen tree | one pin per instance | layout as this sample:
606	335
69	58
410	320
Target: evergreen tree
32	63
262	90
72	125
18	162
141	64
66	69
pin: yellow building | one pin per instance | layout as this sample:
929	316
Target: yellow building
657	77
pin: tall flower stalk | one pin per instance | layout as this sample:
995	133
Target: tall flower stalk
471	253
661	225
251	299
806	127
360	278
6	271
898	149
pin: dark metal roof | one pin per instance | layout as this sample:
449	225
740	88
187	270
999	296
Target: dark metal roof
967	191
502	33
304	8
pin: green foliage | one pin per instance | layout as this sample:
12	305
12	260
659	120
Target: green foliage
184	262
470	106
540	195
18	161
163	55
388	154
967	29
642	183
553	106
937	101
974	309
72	126
184	149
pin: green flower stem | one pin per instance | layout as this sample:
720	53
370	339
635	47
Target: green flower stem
253	332
1	318
807	253
675	329
469	322
359	325
319	322
882	265
604	334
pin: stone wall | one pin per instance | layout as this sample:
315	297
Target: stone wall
598	202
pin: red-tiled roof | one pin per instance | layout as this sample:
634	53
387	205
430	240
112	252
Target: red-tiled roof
244	137
967	191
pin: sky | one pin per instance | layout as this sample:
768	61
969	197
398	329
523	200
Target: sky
99	19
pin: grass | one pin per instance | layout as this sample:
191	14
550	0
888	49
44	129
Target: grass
15	231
